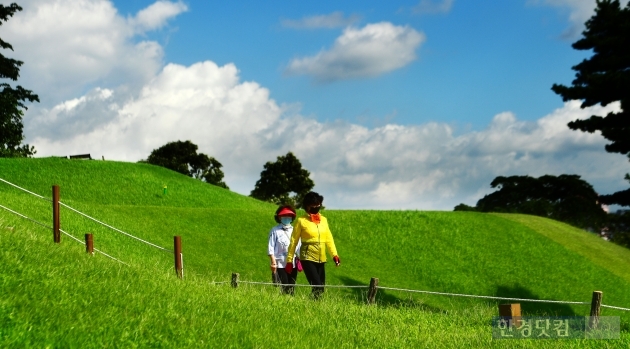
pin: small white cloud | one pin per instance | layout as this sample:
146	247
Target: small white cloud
433	6
157	14
329	21
370	51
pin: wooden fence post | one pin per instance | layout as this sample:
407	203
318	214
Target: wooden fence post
512	312
55	204
596	304
235	280
89	243
372	290
178	256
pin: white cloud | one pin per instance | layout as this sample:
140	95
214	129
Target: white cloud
205	103
329	21
421	166
70	44
370	51
579	12
433	6
156	15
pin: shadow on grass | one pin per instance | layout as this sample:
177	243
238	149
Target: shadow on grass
386	298
533	308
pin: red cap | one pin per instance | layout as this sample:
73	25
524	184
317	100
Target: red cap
286	212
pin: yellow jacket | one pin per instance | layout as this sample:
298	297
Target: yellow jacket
315	239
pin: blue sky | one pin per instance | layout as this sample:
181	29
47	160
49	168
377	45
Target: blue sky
413	104
479	58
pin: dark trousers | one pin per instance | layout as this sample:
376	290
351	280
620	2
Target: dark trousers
316	275
282	277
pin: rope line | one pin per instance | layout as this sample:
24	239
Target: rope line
612	307
97	250
300	285
419	291
23	216
219	282
30	192
486	297
106	255
81	213
269	283
116	229
45	226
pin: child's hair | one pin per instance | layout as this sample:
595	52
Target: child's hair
312	198
288	207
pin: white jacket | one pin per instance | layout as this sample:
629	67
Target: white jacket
279	239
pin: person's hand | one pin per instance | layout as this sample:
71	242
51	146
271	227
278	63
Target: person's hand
289	268
337	260
273	267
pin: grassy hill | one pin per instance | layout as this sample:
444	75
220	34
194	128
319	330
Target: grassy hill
223	232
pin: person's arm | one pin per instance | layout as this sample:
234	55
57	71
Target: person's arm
299	246
273	264
295	237
271	247
330	245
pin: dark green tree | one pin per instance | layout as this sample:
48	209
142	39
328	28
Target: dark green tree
207	169
619	227
464	207
566	198
182	157
605	78
283	182
12	100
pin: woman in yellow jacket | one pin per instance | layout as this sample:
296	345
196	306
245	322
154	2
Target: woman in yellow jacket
312	229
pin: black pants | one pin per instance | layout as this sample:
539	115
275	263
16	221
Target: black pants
282	277
316	275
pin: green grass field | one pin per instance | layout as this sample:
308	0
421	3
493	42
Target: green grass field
59	296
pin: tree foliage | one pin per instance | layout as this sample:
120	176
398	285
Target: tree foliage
182	157
12	100
619	227
605	78
565	198
283	182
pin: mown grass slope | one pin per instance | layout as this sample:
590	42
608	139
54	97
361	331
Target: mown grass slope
57	296
224	232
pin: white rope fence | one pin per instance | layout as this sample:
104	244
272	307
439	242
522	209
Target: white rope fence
420	291
611	307
300	285
30	192
95	249
475	296
45	226
23	216
115	229
86	216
